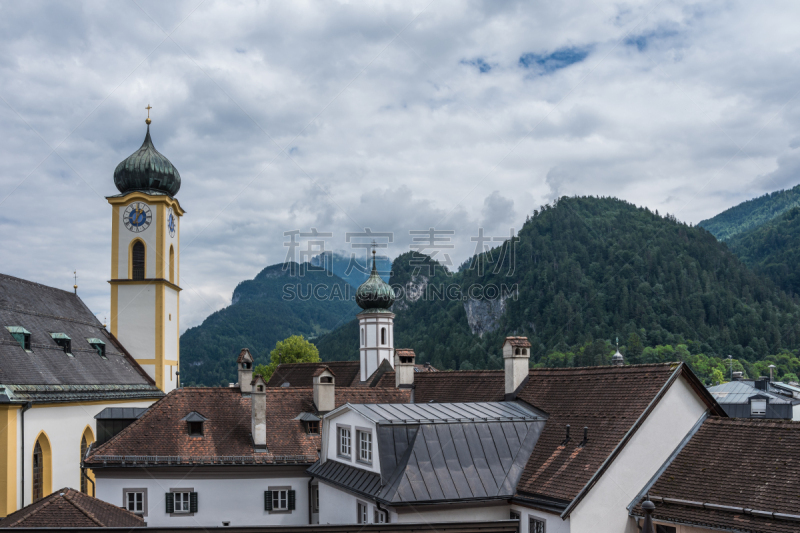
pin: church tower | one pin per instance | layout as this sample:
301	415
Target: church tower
375	323
145	262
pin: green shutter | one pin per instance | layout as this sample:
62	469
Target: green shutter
291	500
267	500
192	502
170	503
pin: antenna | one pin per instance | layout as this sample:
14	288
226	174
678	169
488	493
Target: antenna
75	274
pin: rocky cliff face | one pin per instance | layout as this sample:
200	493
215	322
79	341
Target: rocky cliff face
413	290
483	316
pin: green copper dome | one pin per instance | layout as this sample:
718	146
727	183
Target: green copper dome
147	170
374	294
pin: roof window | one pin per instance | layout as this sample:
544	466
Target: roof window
758	407
21	335
98	345
63	340
194	422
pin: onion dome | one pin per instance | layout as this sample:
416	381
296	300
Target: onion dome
617	359
374	294
147	170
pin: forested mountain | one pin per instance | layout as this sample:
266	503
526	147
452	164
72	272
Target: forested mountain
585	271
752	213
353	268
773	249
277	303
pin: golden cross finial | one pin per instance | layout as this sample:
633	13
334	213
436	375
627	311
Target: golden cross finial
75	273
149	107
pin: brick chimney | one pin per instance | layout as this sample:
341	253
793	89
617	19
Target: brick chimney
324	390
245	366
517	354
404	360
258	395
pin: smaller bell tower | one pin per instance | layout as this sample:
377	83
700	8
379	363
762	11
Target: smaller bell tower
375	322
145	261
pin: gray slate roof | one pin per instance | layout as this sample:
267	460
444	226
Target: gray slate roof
448	452
49	374
739	392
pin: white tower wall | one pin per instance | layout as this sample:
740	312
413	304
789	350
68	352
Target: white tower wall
373	350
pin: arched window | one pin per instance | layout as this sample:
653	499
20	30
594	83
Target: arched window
42	467
516	352
38	472
84	447
362	336
137	260
171	264
383	335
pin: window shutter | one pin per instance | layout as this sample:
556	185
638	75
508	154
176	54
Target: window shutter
291	500
267	500
170	503
192	502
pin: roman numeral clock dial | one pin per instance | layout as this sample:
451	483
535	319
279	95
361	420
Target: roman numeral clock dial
137	217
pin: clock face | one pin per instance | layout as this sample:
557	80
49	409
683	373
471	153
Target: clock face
137	217
171	222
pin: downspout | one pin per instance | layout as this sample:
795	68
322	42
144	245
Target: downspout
310	501
384	511
22	454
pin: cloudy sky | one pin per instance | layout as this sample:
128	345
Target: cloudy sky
395	116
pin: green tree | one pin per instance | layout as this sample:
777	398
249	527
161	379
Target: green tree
634	348
294	349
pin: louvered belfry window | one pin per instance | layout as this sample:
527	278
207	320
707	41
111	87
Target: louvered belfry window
138	260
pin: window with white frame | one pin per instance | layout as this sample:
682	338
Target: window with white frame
182	500
134	500
363	516
344	441
758	407
536	526
280	500
365	446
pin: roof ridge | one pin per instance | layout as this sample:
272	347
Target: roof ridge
29	282
69	496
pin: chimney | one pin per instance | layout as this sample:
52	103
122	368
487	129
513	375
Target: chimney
324	390
404	360
258	397
771	375
737	376
516	353
245	366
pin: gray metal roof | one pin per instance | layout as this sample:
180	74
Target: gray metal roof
120	413
739	392
440	413
442	452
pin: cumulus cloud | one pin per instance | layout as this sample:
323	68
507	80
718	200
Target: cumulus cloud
398	117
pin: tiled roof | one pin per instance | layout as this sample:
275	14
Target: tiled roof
459	386
521	342
348	374
244	355
608	400
70	508
737	463
43	310
161	435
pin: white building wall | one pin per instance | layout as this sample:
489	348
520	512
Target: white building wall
337	506
238	500
353	420
64	427
458	514
136	320
553	522
604	509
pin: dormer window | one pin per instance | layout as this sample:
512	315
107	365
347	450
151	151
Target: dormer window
194	423
313	427
21	335
64	341
98	345
311	422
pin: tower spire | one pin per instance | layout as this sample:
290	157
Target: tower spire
75	274
147	120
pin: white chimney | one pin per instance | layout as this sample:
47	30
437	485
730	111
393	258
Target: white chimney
404	360
245	366
517	354
324	390
258	398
